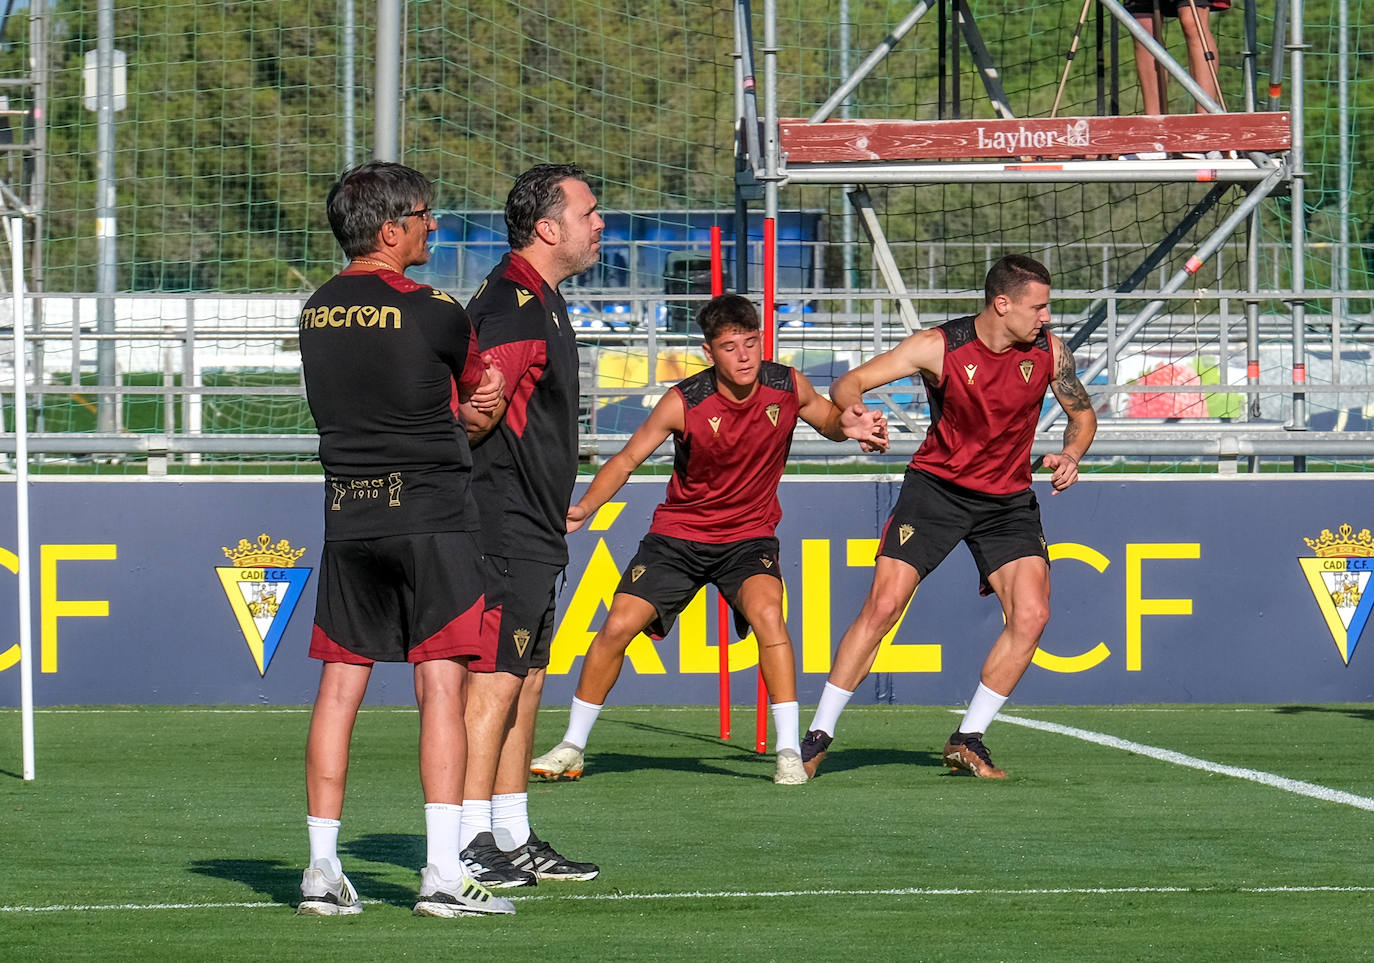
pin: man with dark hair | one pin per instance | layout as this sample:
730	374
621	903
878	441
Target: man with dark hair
732	429
400	576
969	481
526	463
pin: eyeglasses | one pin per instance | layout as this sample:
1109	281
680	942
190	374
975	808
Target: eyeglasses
426	212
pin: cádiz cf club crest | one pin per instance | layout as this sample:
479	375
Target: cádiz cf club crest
263	586
1338	577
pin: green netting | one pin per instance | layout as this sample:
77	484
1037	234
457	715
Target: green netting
235	128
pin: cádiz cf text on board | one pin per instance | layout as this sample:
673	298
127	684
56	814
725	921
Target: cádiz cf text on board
1199	589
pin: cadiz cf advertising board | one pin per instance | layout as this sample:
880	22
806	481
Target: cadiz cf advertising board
1180	590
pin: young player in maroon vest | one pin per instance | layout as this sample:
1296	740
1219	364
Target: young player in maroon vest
969	481
732	429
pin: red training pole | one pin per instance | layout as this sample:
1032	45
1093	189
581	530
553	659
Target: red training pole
770	240
723	641
761	716
717	264
722	609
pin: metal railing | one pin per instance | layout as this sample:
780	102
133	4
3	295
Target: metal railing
181	344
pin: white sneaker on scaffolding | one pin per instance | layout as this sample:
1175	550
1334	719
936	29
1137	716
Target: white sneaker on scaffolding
464	896
323	894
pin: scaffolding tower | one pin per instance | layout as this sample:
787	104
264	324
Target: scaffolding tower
1256	151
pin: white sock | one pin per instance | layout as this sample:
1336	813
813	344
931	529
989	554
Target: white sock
833	701
324	841
442	826
476	819
580	722
981	708
785	723
510	819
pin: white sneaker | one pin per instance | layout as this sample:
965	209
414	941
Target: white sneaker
458	897
563	761
790	771
1145	155
326	895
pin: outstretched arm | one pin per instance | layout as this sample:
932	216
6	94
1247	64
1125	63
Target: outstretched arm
922	351
868	428
1082	420
667	417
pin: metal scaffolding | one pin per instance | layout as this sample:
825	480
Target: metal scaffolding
1259	152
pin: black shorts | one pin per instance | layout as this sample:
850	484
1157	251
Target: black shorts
517	628
1169	8
400	598
932	516
668	572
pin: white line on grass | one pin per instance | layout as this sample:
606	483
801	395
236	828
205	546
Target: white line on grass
1192	762
89	907
751	894
927	891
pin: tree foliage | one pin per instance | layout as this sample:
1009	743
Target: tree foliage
234	129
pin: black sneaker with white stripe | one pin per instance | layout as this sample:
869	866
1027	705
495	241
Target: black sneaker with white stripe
813	750
492	867
545	862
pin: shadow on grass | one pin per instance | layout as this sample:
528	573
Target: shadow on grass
695	735
728	764
1364	713
406	850
622	762
843	760
740	750
282	883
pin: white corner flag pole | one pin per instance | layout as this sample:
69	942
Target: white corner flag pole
14	227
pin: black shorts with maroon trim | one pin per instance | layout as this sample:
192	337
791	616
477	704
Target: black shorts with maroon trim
517	627
668	572
932	516
399	598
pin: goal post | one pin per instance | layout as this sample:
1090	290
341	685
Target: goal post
14	235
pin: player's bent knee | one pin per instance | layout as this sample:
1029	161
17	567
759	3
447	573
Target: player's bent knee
1029	621
1038	615
611	642
882	612
769	623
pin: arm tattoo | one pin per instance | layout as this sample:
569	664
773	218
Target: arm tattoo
1070	434
1069	389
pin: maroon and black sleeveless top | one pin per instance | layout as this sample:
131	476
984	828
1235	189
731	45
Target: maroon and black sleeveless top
984	410
729	459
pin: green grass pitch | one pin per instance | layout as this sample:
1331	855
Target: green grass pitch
178	834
